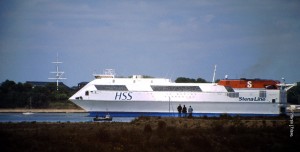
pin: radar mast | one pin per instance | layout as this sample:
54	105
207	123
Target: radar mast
58	74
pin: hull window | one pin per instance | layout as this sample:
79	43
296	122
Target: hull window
262	94
233	94
229	89
273	100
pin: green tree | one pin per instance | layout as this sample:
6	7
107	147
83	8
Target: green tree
12	94
200	80
189	80
18	95
293	95
7	86
184	80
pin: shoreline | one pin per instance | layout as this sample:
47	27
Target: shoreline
19	110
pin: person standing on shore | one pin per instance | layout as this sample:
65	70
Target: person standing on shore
179	108
184	111
190	111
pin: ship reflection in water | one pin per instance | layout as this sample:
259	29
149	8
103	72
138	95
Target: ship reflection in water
54	117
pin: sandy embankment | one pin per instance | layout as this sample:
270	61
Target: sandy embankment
42	110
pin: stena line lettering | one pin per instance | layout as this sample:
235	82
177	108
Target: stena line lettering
123	96
252	99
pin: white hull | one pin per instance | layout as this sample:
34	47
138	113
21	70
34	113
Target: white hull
143	96
166	107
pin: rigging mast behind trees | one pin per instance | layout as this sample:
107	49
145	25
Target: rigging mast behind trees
58	74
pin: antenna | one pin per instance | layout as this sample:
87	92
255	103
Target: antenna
213	80
58	74
109	72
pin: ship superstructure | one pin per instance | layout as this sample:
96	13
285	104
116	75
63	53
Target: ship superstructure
244	83
138	96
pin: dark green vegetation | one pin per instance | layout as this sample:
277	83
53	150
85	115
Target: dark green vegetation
154	134
19	95
189	80
294	94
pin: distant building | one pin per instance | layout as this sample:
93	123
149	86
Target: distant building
44	84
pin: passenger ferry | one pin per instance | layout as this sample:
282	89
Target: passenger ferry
139	96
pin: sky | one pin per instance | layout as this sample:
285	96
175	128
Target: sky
159	38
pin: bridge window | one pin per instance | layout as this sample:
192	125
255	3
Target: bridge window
229	89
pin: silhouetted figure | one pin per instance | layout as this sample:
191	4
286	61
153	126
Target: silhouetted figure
179	108
190	111
184	111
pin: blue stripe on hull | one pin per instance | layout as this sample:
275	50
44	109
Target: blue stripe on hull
166	114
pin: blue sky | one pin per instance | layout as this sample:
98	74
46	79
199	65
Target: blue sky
160	38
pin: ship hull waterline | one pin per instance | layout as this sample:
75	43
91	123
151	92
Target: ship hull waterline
169	108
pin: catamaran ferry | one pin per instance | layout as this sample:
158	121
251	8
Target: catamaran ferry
138	96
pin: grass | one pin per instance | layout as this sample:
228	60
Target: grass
153	134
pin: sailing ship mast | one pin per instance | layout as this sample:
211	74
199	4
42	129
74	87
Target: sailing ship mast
58	74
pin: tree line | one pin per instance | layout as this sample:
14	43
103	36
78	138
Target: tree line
293	94
190	80
21	95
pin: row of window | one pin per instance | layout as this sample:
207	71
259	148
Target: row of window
262	94
156	88
112	87
176	88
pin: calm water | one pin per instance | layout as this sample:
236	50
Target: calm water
61	117
54	117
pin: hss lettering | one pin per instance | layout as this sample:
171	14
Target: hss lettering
123	96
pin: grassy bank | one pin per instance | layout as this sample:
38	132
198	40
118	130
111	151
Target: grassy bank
154	134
